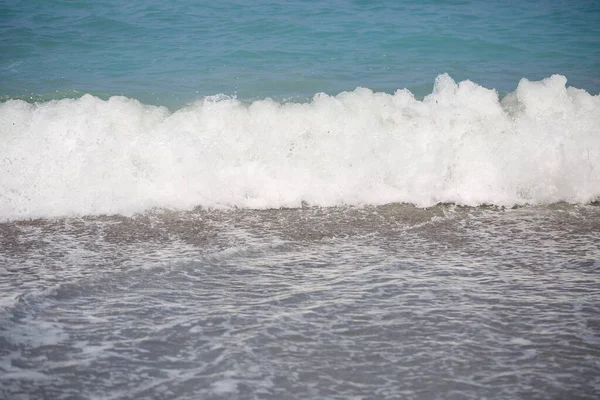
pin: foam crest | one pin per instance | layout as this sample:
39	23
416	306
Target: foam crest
462	144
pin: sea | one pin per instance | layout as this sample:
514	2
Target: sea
336	199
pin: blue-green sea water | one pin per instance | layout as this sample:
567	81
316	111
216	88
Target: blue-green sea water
171	53
299	199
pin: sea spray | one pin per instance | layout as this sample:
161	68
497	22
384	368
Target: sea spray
462	144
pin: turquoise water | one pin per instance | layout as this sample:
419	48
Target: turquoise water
171	53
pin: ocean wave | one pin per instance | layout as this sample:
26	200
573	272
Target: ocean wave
461	144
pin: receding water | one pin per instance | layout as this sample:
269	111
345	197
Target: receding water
376	302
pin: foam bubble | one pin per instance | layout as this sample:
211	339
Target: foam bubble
225	386
539	144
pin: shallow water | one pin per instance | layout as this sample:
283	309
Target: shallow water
374	302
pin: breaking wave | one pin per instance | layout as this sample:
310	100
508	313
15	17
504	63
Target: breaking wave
461	144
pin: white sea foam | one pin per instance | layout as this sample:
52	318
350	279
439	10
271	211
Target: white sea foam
462	144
